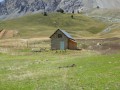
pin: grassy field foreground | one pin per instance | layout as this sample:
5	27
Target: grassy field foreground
51	70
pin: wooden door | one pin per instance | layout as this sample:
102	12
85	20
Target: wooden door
62	45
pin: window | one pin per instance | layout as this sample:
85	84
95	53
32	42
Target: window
59	35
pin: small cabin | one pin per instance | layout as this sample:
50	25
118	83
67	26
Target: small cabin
61	40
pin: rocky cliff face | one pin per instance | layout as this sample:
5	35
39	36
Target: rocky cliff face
12	8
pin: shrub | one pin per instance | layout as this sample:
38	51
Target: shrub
45	14
60	10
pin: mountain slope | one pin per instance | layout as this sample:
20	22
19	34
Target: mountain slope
43	26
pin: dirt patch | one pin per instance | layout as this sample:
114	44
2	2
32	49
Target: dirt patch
105	46
8	33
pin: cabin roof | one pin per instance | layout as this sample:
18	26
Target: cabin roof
65	33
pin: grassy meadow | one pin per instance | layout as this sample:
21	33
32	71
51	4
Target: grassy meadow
22	68
53	70
27	63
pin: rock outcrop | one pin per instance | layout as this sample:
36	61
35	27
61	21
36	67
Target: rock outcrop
15	8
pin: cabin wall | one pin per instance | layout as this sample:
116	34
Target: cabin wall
72	44
55	41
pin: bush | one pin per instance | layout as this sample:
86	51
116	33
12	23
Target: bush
72	16
45	14
60	10
98	7
73	12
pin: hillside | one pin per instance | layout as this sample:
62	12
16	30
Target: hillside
43	26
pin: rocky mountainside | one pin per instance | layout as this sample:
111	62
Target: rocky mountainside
15	8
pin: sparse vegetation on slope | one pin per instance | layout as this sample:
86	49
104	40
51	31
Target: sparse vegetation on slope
39	25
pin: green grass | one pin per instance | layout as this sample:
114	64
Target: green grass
43	26
40	71
21	69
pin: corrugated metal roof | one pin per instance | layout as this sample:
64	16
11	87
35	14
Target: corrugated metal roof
67	34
